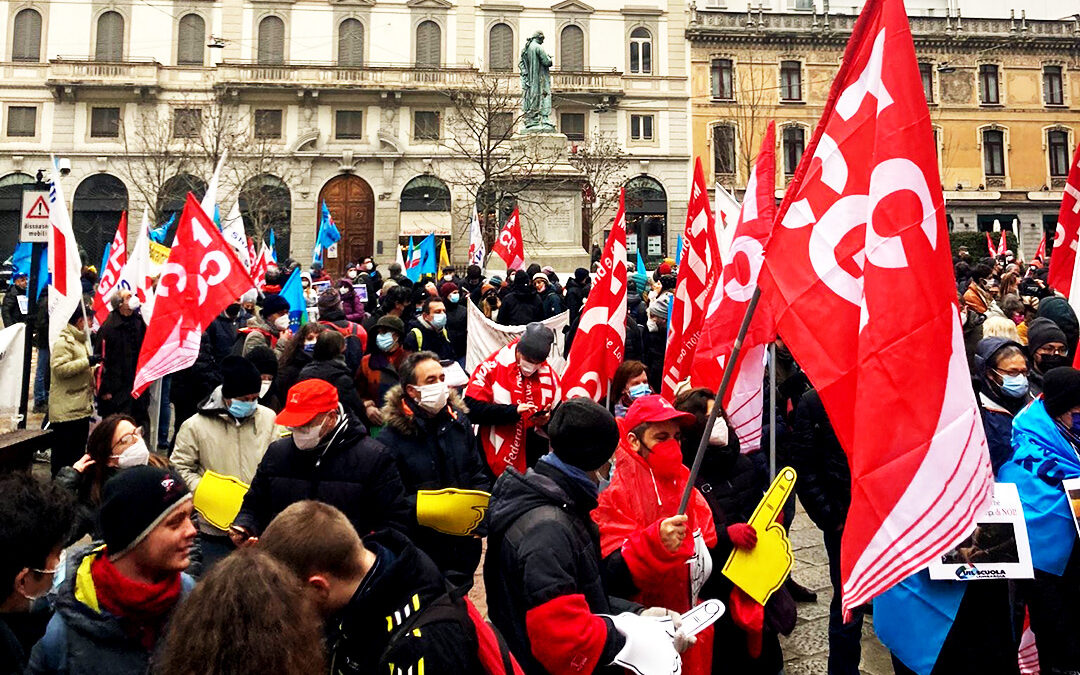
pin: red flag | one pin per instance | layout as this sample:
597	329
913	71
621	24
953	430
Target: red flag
1040	253
990	246
510	246
262	263
1002	244
251	251
698	271
744	400
201	277
859	275
1063	257
111	274
601	335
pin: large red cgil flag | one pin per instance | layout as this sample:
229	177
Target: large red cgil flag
600	341
510	246
110	276
1063	256
201	277
859	276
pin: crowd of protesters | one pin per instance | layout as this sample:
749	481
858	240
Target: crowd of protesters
325	498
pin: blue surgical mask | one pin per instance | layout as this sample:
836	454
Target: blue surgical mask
1014	385
438	321
1076	423
639	390
385	341
241	409
453	298
309	347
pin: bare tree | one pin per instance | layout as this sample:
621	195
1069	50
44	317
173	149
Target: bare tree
603	162
151	156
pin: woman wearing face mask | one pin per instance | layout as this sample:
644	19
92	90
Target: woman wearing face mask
1001	369
631	382
228	436
431	438
297	354
1048	350
267	329
378	373
457	319
351	306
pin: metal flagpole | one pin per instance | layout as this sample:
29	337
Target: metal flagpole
725	381
772	411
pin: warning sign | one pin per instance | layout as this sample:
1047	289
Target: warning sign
35	217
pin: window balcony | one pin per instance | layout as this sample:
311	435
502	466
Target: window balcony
318	76
67	74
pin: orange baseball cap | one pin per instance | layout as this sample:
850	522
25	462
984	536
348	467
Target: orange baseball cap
306	400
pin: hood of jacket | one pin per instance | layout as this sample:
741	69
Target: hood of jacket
400	571
77	602
400	412
515	493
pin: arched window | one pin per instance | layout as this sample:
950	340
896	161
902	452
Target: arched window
425	193
572	48
428	45
173	194
350	44
11	190
191	40
646	217
271	41
641	51
26	38
993	152
266	203
793	138
724	150
501	47
110	38
96	208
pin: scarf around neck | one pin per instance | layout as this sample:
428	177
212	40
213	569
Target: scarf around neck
141	608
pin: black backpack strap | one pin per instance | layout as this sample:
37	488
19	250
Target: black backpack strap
442	609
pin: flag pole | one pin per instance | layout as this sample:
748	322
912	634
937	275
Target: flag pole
772	411
725	381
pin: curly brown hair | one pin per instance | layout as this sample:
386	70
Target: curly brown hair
248	615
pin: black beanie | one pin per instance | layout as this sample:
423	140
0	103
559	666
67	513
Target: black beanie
583	433
535	343
581	274
239	377
1061	390
1042	331
264	360
274	304
134	502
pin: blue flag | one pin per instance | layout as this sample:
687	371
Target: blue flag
20	260
328	234
158	234
429	263
913	618
678	251
293	292
105	258
273	246
412	263
640	263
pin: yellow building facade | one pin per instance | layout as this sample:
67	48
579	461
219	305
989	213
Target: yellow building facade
1004	99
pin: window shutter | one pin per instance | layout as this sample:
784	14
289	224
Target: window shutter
351	43
191	36
110	37
572	49
501	47
428	45
271	41
27	36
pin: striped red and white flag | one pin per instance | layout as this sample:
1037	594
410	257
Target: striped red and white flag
1028	655
65	291
110	276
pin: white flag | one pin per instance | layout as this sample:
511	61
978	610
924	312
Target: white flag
232	228
476	240
209	200
137	276
65	292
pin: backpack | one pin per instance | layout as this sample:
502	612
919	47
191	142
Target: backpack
419	335
238	346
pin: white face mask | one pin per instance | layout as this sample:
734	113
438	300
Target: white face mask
433	397
282	322
133	303
527	368
264	387
135	455
307	438
719	435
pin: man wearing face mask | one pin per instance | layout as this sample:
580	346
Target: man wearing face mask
118	344
510	396
378	370
428	331
328	457
1048	350
268	329
457	320
431	438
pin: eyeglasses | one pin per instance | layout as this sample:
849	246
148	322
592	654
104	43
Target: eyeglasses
43	572
1056	351
129	438
1012	372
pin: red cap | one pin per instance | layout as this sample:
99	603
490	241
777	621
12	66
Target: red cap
654	408
306	400
664	268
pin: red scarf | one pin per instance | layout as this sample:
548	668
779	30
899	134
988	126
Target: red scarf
142	608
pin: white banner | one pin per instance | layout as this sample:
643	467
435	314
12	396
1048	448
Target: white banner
486	336
11	367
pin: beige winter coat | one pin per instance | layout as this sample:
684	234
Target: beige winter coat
71	382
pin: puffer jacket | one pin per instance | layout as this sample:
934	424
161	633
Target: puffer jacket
119	341
824	485
521	305
348	469
71	386
435	452
336	372
350	303
214	440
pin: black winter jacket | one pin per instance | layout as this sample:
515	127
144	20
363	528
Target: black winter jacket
11	311
420	337
222	333
521	306
434	453
576	293
337	373
824	485
352	471
457	327
119	341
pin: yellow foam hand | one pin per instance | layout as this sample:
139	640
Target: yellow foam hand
218	498
760	571
451	510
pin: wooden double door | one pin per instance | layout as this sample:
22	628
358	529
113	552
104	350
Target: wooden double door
352	206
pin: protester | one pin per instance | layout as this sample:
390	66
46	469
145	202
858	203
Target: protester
631	382
351	305
977	296
431	439
329	457
15	306
655	339
378	370
249	615
549	297
999	326
1048	350
228	437
72	369
457	320
428	331
332	316
394	302
521	305
511	395
224	329
267	329
35	519
473	283
118	343
266	362
318	273
328	364
116	598
577	290
1002	379
1059	311
296	355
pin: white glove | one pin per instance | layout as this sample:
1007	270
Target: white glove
649	648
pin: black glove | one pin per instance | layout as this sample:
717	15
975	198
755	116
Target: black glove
94	360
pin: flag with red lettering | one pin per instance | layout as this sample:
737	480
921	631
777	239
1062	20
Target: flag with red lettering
137	275
601	335
201	277
698	271
990	246
1003	244
65	291
510	246
1040	253
1062	270
744	400
262	264
110	276
859	275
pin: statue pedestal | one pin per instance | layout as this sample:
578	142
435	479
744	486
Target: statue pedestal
550	201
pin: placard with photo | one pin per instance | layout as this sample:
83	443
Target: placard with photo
997	549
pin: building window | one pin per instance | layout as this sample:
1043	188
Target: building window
1057	145
191	38
26	36
500	127
104	122
724	149
428	45
572	126
110	38
349	124
641	127
806	5
790	81
1053	91
572	49
641	51
268	124
271	41
186	122
501	47
22	121
794	143
926	72
988	84
350	44
721	76
425	125
994	152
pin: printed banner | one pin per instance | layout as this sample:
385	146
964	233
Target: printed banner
486	336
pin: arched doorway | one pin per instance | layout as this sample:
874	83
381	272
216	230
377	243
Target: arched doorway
425	209
95	212
266	204
173	194
646	219
352	206
11	191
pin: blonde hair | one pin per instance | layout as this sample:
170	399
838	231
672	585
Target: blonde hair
999	326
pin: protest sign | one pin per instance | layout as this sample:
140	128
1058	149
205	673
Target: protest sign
998	548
